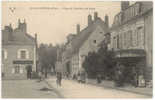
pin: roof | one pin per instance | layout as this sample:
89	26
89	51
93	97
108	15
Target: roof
84	34
145	6
17	37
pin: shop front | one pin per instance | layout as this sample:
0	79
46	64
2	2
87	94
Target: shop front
22	69
132	64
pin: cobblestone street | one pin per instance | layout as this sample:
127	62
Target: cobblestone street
72	89
26	89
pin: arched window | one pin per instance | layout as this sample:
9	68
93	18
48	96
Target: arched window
23	54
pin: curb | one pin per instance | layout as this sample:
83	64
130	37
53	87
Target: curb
55	90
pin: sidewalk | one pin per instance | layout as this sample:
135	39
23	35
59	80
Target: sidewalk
127	88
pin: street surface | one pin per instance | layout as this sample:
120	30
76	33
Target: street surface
73	89
69	89
26	89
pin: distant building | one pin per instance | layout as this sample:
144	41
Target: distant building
132	38
85	41
18	51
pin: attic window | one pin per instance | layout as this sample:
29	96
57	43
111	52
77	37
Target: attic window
94	41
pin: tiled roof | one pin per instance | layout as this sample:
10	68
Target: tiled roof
78	41
16	38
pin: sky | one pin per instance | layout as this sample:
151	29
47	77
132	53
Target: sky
53	21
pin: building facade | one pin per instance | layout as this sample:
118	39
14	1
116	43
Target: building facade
18	52
132	38
85	41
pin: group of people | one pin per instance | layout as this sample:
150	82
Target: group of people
80	77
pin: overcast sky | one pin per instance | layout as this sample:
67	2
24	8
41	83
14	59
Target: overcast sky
53	21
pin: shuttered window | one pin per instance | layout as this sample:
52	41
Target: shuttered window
23	54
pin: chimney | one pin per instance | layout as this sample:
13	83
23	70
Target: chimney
18	21
90	21
106	19
36	38
77	28
10	32
95	16
124	5
22	26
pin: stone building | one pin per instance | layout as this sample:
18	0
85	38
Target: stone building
18	51
132	38
85	41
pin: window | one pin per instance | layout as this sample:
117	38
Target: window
23	54
114	43
4	54
94	41
17	69
130	34
140	36
118	42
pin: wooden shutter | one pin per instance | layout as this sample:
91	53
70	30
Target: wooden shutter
27	54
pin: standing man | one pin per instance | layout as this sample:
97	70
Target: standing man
29	71
60	78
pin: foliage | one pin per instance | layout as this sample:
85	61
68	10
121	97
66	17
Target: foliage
47	57
101	62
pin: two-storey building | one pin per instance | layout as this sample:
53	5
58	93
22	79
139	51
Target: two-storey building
18	52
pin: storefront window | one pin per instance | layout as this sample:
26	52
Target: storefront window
17	69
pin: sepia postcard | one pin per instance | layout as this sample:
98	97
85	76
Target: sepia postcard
77	49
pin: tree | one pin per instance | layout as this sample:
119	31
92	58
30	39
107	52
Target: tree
47	57
101	62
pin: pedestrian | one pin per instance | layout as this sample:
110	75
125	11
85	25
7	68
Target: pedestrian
98	78
57	80
79	78
39	75
29	71
60	78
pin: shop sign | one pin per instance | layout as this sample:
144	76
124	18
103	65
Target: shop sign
23	62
